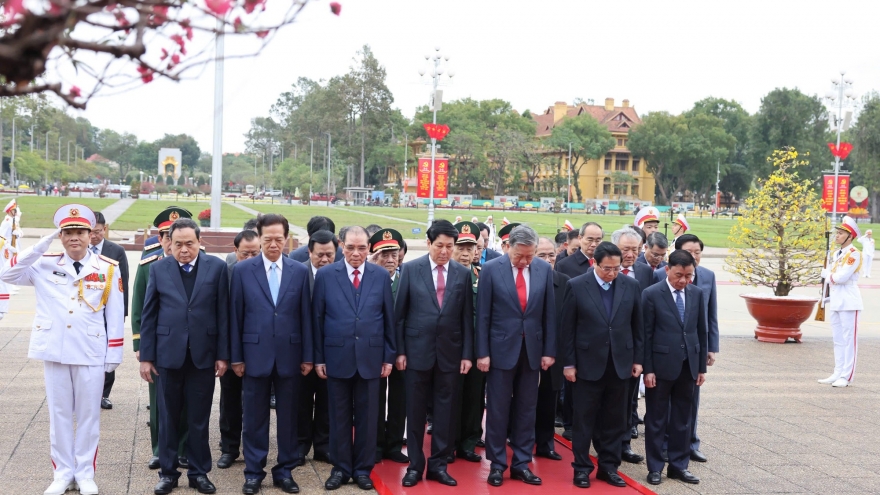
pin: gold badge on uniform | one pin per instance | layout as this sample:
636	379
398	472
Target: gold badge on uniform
850	261
174	216
466	229
386	236
120	285
74	212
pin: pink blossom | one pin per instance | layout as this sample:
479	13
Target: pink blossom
219	7
189	32
175	59
75	92
262	34
251	5
161	11
164	54
335	7
13	8
179	40
146	73
238	25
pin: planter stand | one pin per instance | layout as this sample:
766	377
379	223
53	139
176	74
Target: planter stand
779	318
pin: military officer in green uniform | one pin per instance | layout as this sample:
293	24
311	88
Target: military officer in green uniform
474	382
155	249
385	249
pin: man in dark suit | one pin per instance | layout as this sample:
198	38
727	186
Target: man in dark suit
353	314
580	261
676	341
247	246
516	338
232	257
656	249
629	241
434	315
385	245
488	253
551	380
184	335
313	427
603	341
315	224
98	244
705	280
270	331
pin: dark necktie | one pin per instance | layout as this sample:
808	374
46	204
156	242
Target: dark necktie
521	288
77	266
679	303
356	281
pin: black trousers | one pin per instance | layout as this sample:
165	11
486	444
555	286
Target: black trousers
313	420
545	414
443	388
352	403
256	424
669	407
193	388
392	419
471	407
600	415
230	413
109	379
515	389
567	405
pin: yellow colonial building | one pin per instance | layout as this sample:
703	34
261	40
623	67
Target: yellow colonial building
597	177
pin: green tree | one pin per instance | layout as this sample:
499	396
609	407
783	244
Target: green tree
589	140
865	158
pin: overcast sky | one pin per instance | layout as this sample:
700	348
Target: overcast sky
659	55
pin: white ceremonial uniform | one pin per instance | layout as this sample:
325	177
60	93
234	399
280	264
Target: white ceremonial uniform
867	254
70	336
845	305
6	253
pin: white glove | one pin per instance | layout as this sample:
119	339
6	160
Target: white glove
825	273
17	233
110	367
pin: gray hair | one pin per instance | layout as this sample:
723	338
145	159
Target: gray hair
523	234
590	224
352	229
542	238
625	232
184	223
659	240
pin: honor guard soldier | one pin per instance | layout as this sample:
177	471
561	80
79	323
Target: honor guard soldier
648	219
155	248
679	227
385	247
473	384
10	233
504	234
77	333
844	303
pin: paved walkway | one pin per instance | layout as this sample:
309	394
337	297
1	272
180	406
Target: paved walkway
297	231
114	211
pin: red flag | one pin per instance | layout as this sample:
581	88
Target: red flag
437	131
842	152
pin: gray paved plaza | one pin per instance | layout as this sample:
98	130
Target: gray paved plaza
766	425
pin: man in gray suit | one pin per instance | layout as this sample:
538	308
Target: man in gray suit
435	324
231	258
98	244
516	338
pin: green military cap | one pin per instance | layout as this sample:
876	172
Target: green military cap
504	233
467	232
385	239
168	216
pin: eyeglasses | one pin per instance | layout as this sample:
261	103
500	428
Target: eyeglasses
609	269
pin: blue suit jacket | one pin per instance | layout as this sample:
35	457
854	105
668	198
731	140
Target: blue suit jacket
353	335
501	321
264	334
170	322
667	340
705	280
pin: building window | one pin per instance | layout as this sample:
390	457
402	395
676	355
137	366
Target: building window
606	186
608	163
621	162
620	142
635	188
637	164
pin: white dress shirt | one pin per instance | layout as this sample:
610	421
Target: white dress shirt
268	264
526	275
314	269
99	245
632	271
191	263
673	289
350	269
600	281
434	272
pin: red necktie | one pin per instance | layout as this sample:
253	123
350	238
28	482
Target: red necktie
357	281
590	260
441	285
626	272
521	288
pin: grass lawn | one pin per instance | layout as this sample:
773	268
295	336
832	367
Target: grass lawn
141	214
39	211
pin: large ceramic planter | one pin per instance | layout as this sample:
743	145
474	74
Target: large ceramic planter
779	318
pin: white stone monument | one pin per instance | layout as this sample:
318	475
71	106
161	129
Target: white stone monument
170	161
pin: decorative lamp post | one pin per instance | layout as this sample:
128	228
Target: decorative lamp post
843	96
311	163
436	104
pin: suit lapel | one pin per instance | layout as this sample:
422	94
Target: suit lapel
619	289
345	284
690	296
174	273
368	283
593	290
262	280
670	300
201	273
534	280
428	278
286	274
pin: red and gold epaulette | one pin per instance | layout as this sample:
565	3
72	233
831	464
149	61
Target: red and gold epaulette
852	249
108	260
149	260
54	254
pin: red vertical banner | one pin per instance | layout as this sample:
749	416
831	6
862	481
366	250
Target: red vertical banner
423	186
441	178
842	193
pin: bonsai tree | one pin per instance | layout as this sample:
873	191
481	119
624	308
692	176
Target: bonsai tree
780	236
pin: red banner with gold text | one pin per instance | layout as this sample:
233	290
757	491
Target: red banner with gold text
842	193
441	178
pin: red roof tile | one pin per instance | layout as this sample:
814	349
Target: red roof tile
612	119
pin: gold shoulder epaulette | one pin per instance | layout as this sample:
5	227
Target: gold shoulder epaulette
150	259
108	260
202	248
152	246
53	254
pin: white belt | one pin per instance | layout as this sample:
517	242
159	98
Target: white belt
846	284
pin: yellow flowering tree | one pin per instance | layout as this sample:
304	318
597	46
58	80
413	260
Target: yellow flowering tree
780	237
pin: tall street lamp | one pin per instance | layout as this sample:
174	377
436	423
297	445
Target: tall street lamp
329	151
436	103
843	96
311	161
12	160
68	152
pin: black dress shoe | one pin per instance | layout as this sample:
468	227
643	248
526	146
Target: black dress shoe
525	475
154	463
481	444
398	457
634	432
558	423
611	478
298	462
202	484
335	480
496	477
640	421
567	435
581	479
550	454
251	487
183	462
364	482
698	456
165	485
226	460
631	457
106	404
654	477
411	478
441	477
287	485
272	402
665	456
450	459
683	475
430	429
469	455
321	456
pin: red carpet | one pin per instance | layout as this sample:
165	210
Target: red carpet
471	477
